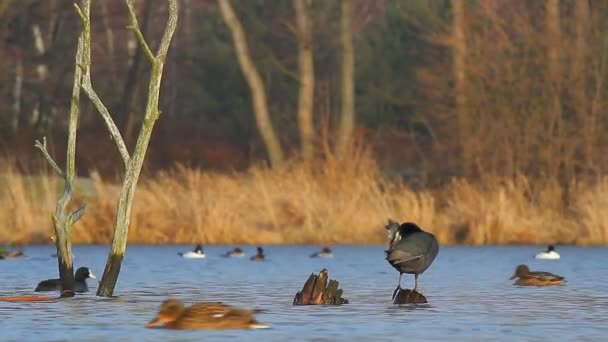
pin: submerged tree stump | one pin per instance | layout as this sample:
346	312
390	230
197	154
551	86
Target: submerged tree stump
317	291
407	296
36	298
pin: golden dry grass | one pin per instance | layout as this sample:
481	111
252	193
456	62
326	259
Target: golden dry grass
335	203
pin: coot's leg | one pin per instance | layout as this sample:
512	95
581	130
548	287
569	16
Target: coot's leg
398	286
416	282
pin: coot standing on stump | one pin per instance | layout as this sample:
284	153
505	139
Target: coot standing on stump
411	250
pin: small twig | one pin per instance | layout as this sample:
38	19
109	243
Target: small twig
80	13
134	26
77	214
47	156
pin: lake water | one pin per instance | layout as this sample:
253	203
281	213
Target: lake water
470	296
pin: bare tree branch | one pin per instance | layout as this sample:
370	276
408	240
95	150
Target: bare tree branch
171	25
87	86
47	156
134	26
77	214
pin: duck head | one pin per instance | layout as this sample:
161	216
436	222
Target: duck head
326	250
398	231
238	250
198	249
520	271
550	248
392	230
83	273
260	251
170	310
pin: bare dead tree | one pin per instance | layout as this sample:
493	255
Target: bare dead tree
62	218
347	119
307	82
134	163
459	52
256	85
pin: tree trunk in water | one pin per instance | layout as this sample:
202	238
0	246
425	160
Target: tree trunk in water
307	82
347	123
62	219
134	163
258	91
459	55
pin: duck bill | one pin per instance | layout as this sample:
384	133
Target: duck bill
154	323
513	277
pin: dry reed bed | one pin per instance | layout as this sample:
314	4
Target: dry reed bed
333	204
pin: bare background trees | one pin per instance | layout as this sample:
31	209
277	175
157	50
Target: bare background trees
471	88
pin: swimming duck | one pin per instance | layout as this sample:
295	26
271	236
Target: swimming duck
210	316
411	250
197	253
259	256
549	254
528	278
235	253
324	253
80	282
14	252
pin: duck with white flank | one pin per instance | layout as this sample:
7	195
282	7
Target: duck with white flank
549	254
411	250
197	253
324	253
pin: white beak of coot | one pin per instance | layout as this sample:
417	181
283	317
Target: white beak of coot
91	275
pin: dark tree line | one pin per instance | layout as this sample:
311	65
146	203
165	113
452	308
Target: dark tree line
460	87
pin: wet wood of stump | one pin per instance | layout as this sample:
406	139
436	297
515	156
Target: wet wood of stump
407	296
317	290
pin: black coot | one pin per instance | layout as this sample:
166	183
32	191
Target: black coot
80	282
411	250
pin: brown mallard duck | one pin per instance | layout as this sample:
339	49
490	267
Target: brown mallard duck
529	278
208	315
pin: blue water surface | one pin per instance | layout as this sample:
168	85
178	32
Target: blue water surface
470	295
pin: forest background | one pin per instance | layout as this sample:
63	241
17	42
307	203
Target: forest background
482	121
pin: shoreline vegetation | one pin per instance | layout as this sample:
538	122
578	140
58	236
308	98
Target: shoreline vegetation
335	203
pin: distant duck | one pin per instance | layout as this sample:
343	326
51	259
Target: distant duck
208	316
411	250
197	253
527	278
14	252
259	256
235	253
549	254
324	253
80	282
